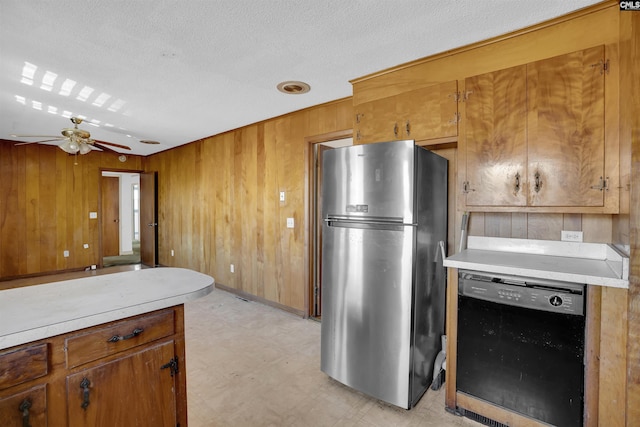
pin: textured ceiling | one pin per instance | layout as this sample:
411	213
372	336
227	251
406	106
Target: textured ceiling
176	71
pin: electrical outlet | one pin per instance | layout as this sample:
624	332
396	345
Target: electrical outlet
93	266
86	246
93	215
232	268
65	254
290	223
172	252
571	236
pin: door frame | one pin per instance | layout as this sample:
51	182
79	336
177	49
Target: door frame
310	212
100	238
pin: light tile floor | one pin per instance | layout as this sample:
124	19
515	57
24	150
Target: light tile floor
249	364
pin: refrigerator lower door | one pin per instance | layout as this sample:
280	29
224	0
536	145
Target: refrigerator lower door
366	299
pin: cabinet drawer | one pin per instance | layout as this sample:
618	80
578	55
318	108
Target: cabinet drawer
117	337
23	364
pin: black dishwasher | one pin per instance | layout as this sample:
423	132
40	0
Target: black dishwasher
521	345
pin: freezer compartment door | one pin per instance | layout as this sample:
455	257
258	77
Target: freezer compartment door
371	180
366	301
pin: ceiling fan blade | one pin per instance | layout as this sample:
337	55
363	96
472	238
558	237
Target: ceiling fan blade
104	148
38	142
13	135
124	147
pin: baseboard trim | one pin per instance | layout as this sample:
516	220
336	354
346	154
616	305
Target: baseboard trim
261	300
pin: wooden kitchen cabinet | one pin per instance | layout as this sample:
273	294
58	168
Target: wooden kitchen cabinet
130	391
495	140
23	377
25	408
422	114
534	137
128	372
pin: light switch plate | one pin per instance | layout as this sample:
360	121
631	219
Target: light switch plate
282	196
290	223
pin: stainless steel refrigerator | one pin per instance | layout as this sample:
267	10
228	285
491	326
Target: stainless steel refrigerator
384	209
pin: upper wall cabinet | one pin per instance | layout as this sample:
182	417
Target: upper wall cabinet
534	137
422	114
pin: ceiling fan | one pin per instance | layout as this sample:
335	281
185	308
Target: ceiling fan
75	140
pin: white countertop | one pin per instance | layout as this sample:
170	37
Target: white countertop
41	311
589	263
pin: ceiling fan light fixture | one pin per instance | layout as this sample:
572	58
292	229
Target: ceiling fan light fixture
84	148
293	87
70	146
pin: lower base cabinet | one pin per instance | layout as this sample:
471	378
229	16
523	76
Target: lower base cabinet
145	391
26	408
125	373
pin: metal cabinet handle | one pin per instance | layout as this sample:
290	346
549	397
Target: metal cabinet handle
172	365
84	385
538	182
517	186
24	408
152	224
134	333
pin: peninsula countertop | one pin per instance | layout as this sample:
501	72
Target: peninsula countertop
588	263
41	311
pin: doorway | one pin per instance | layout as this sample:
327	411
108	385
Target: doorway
318	145
120	213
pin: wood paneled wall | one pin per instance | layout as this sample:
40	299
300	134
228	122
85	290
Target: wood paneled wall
45	200
595	228
219	204
630	140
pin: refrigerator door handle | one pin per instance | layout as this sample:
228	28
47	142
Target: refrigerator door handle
368	225
366	220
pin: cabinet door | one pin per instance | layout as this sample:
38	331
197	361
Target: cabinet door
495	138
428	113
376	120
566	129
131	391
421	114
26	408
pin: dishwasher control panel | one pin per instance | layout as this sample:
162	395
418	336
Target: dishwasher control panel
537	294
